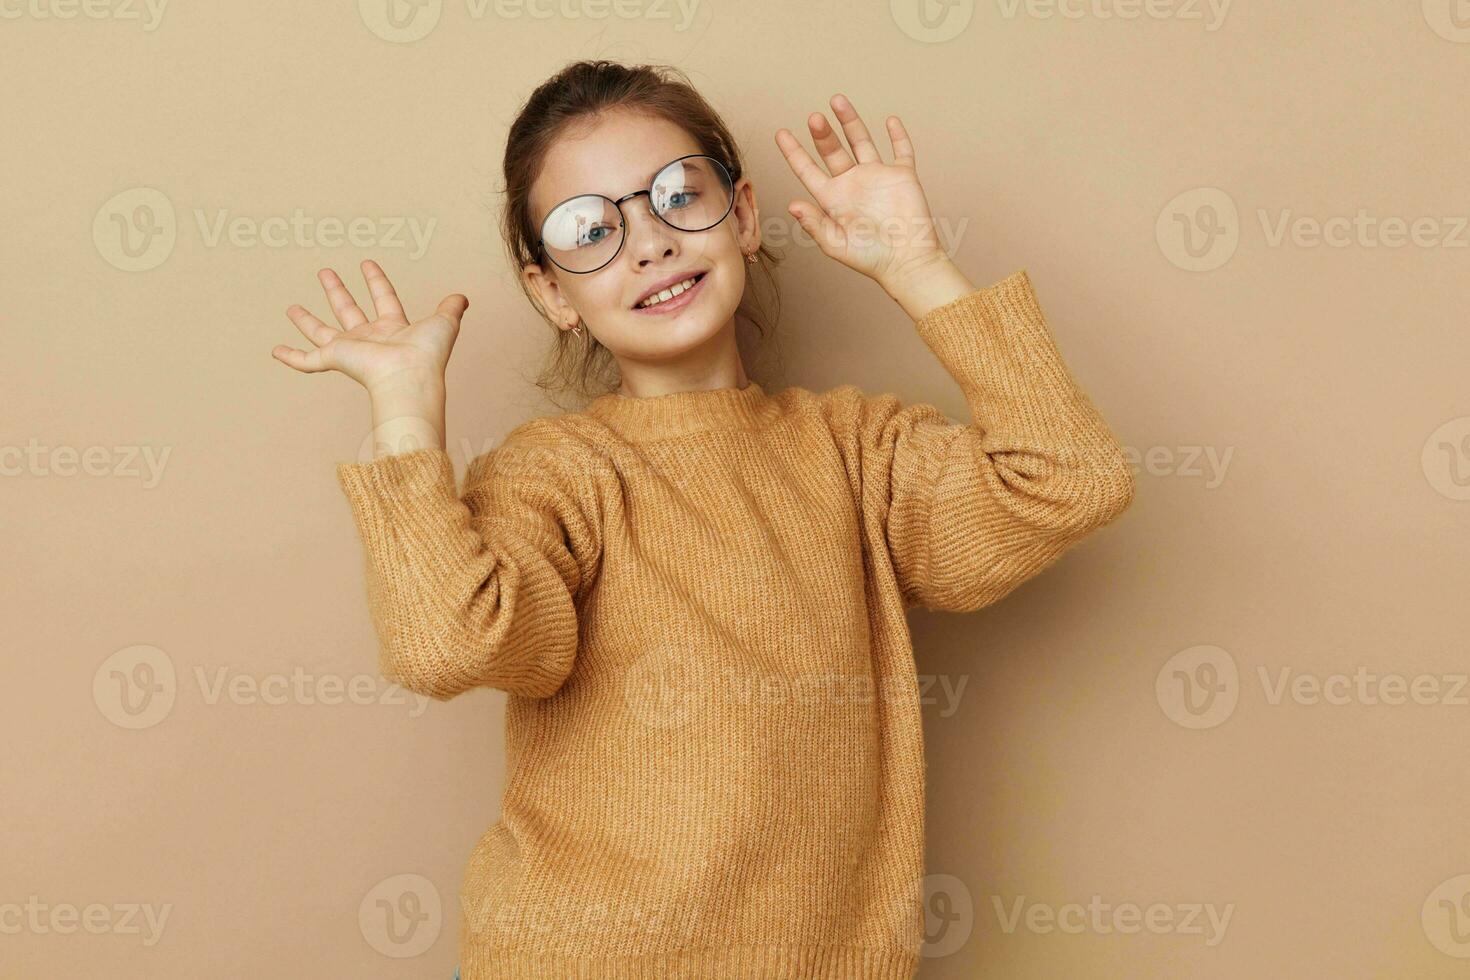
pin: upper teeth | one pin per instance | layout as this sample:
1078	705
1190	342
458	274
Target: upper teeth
669	293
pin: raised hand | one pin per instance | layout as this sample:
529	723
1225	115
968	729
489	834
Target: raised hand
381	351
869	215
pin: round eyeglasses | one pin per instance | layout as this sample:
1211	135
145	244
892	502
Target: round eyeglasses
584	233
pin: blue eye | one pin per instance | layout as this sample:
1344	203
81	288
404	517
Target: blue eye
590	240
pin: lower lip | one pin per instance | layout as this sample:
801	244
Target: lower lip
677	303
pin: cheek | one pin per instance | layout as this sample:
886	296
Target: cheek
595	298
733	275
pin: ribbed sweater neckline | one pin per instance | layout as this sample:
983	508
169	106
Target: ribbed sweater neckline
678	413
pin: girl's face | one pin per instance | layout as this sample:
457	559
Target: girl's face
621	154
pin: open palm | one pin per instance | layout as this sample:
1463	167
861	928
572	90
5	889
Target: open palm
869	215
373	351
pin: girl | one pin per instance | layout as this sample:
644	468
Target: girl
693	590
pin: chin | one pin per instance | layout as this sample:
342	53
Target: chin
671	336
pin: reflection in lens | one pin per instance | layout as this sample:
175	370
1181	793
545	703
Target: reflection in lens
583	234
584	222
692	194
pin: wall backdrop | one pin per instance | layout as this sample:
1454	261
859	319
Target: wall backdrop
1223	738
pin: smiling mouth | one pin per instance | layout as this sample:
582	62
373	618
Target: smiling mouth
668	297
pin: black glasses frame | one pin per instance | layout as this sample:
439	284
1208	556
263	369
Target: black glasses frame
623	218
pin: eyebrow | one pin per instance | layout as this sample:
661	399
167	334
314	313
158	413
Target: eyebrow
649	179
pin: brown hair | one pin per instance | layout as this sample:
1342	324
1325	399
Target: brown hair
579	94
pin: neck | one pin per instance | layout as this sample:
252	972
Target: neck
714	363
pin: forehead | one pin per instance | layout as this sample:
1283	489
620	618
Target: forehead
617	153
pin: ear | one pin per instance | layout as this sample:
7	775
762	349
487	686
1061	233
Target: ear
747	215
544	287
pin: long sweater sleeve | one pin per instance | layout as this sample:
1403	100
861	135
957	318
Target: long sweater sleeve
970	511
476	588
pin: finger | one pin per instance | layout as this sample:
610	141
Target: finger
452	307
311	328
814	221
903	147
385	299
857	134
307	362
346	308
801	163
834	154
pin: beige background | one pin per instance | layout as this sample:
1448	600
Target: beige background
1068	759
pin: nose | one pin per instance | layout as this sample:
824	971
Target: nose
649	238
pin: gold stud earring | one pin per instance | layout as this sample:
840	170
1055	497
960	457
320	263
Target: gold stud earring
750	257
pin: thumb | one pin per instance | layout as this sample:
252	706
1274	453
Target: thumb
453	307
816	224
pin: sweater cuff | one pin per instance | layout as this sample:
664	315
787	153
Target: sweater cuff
401	481
1009	299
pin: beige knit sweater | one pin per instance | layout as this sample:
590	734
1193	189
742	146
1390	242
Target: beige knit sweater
696	605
